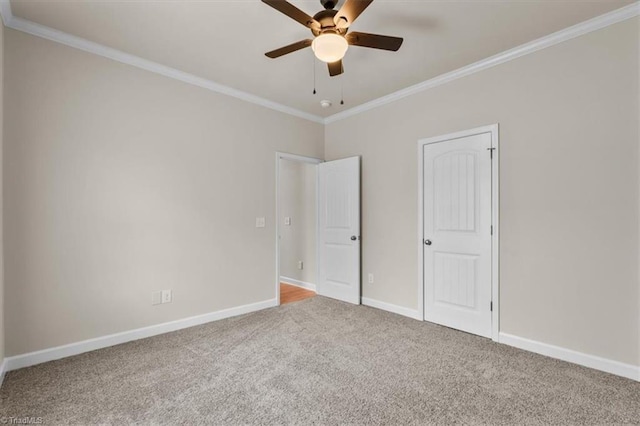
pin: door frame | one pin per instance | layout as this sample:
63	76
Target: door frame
493	129
301	159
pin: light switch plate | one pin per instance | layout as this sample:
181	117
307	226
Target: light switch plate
260	222
166	296
156	297
287	221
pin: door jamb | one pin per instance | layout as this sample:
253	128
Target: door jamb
301	159
495	216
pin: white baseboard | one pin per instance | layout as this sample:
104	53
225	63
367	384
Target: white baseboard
603	364
400	310
298	283
3	369
38	357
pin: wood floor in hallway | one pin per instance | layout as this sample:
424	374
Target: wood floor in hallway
290	293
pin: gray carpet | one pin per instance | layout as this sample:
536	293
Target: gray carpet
317	361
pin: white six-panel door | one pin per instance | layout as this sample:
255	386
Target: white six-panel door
339	230
457	233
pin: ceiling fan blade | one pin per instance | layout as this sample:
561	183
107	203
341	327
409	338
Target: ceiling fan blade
293	12
349	12
375	41
335	68
288	49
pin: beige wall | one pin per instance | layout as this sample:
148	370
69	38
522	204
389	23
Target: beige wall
297	196
2	307
569	188
119	182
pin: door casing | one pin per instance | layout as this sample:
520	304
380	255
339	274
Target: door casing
495	214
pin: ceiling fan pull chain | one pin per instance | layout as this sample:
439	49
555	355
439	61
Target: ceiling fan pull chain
342	89
314	74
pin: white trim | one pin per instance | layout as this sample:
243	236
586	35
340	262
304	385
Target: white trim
420	240
495	237
317	277
603	364
38	357
48	33
550	40
495	219
302	159
298	283
400	310
299	158
3	370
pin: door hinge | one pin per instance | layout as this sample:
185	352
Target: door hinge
491	152
491	306
491	229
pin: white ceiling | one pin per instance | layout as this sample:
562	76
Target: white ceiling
225	40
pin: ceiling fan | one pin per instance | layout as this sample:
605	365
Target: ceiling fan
330	28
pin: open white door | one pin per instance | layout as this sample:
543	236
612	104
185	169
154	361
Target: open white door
457	233
339	233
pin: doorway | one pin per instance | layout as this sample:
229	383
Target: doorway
321	254
297	205
458	228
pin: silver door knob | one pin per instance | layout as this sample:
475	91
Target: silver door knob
427	242
353	238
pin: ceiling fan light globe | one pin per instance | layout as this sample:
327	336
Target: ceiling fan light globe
329	47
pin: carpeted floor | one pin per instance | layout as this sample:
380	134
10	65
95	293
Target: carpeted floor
318	361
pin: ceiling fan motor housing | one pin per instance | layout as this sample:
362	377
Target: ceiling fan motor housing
327	25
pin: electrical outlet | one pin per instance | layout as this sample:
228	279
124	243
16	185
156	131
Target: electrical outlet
287	221
370	278
260	222
156	297
300	264
166	296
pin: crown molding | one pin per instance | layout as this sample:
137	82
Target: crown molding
80	43
599	22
